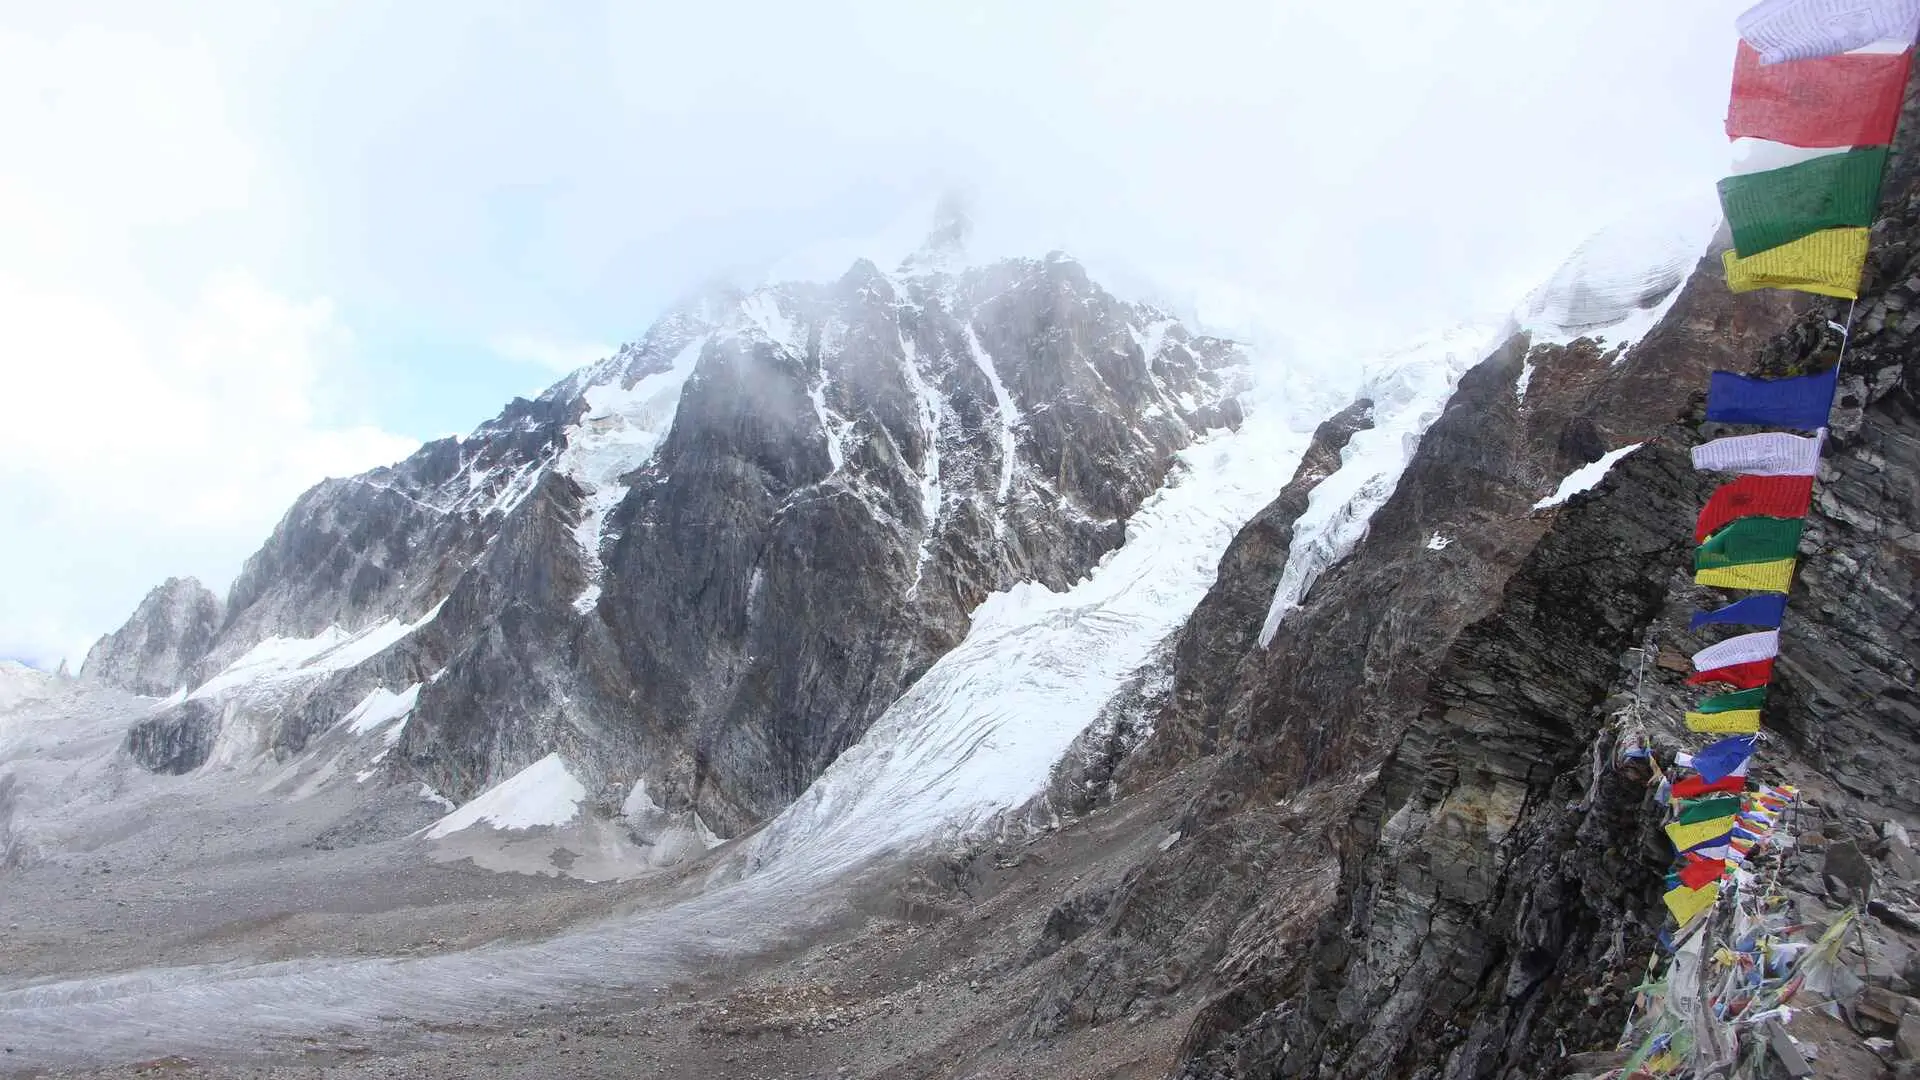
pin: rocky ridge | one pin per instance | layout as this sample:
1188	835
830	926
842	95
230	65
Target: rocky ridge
700	568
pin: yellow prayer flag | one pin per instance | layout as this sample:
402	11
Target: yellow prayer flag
1686	903
1827	263
1737	722
1688	836
1760	577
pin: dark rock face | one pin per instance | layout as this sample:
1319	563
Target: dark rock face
1498	878
1287	739
712	560
178	741
158	648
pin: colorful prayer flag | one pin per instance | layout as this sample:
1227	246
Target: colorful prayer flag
1750	540
1727	757
1697	834
1754	496
1802	401
1696	786
1773	577
1769	453
1739	699
1807	29
1697	873
1755	673
1832	101
1745	649
1738	722
1827	263
1778	206
1753	611
1699	810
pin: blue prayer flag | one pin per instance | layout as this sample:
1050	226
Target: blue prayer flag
1764	611
1718	761
1802	402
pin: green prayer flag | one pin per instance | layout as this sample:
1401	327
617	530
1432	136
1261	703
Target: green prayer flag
1750	540
1776	207
1699	810
1734	702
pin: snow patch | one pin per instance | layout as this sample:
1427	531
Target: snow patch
1585	477
928	399
1003	403
380	708
1624	278
621	431
543	793
1526	378
1409	390
435	797
281	660
1439	542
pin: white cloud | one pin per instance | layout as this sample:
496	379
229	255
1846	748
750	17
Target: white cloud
560	357
163	413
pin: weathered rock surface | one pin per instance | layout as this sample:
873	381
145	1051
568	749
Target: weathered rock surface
1499	880
156	651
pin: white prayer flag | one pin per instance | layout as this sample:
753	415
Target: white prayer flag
1745	649
1804	29
1770	453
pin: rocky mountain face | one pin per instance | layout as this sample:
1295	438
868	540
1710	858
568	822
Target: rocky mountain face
1410	853
700	568
155	652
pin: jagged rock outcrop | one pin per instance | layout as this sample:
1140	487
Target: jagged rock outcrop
1287	738
709	562
1498	878
157	649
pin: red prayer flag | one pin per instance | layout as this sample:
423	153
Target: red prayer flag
1697	872
1695	786
1845	100
1754	496
1745	676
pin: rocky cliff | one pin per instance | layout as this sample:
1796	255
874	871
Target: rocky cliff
699	569
1411	854
157	650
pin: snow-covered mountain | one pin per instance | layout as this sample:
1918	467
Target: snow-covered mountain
691	575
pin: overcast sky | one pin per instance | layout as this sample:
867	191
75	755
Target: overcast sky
245	246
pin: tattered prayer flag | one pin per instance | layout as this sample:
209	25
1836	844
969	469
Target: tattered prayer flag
1740	699
1753	611
1799	402
1807	29
1774	577
1699	810
1833	101
1754	496
1750	540
1738	722
1826	263
1695	786
1687	903
1778	206
1727	757
1695	834
1769	453
1697	873
1744	649
1745	676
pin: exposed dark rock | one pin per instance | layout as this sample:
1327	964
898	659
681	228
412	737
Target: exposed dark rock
178	740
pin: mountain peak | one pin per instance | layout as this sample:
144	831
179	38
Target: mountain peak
945	247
